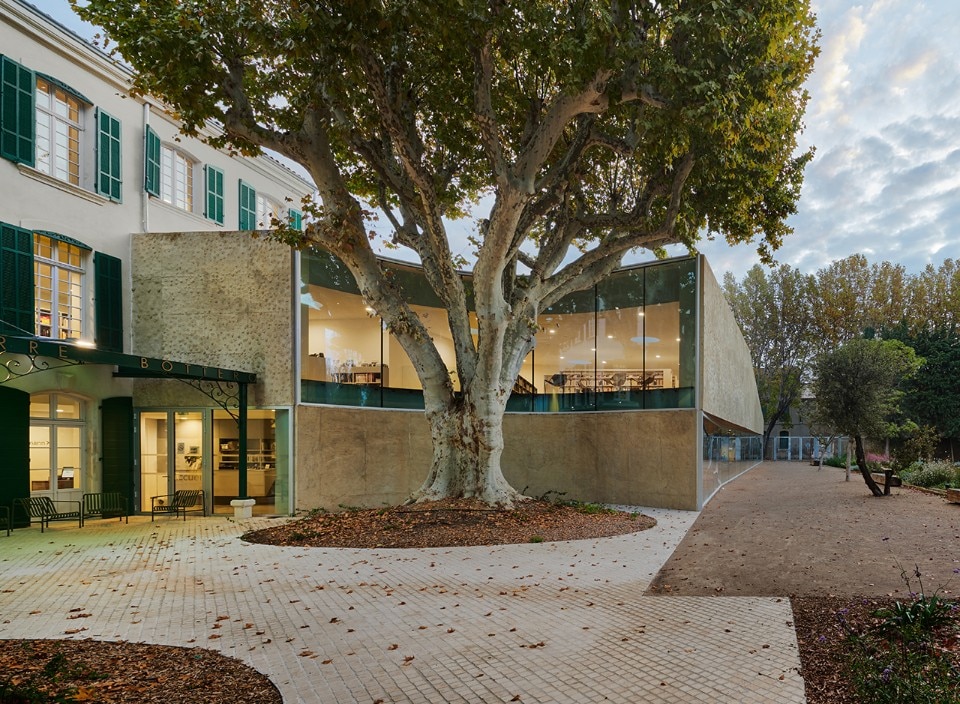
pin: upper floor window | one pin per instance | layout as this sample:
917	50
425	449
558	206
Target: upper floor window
58	296
59	129
43	288
267	210
43	127
176	178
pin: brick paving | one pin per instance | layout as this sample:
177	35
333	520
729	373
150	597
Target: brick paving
549	622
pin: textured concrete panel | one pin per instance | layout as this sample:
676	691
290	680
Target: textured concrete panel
374	456
729	389
222	299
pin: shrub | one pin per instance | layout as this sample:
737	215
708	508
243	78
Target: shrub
930	474
835	461
896	661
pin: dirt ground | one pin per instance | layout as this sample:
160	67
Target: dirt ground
789	529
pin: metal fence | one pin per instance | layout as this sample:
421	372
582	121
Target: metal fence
804	448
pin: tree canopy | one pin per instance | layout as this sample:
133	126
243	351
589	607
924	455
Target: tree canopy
858	390
774	311
592	128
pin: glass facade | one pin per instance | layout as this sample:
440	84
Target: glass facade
628	343
200	449
728	452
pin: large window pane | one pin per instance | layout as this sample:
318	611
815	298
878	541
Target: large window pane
628	343
341	361
621	336
565	354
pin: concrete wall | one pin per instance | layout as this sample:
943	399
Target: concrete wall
728	386
372	457
222	299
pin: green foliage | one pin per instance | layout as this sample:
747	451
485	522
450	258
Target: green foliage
890	675
454	92
912	620
836	461
933	394
536	539
932	474
896	662
858	386
919	443
774	312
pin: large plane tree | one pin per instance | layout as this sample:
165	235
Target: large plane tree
585	129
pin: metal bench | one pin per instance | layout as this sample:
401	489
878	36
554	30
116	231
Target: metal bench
5	518
106	504
45	509
177	503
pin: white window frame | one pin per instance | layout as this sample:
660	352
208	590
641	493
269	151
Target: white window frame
178	178
267	210
55	129
52	317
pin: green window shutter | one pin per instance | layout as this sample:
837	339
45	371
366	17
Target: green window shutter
108	156
214	200
17	118
15	451
248	207
16	281
151	176
296	219
116	423
108	290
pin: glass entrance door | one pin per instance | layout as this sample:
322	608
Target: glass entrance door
56	447
171	453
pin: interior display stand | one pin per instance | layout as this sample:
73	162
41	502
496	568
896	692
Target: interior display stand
571	381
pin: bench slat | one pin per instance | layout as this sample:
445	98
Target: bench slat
45	509
106	504
179	502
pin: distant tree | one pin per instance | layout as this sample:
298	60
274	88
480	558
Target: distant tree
935	298
932	395
590	128
774	312
858	391
888	299
841	306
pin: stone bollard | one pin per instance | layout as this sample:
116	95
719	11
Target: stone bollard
243	508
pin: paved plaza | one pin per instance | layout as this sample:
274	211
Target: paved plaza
549	622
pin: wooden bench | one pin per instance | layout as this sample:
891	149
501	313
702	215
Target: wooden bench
106	504
880	479
179	502
953	496
5	518
46	509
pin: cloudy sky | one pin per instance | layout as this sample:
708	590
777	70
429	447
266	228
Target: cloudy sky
884	116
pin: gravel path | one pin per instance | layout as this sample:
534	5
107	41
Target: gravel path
789	529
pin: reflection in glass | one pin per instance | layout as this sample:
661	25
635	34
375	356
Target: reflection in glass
627	343
266	461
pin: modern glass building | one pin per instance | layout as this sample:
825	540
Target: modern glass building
649	359
628	343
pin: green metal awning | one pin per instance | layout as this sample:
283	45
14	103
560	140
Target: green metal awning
44	355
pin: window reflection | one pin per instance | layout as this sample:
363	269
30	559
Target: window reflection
628	343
